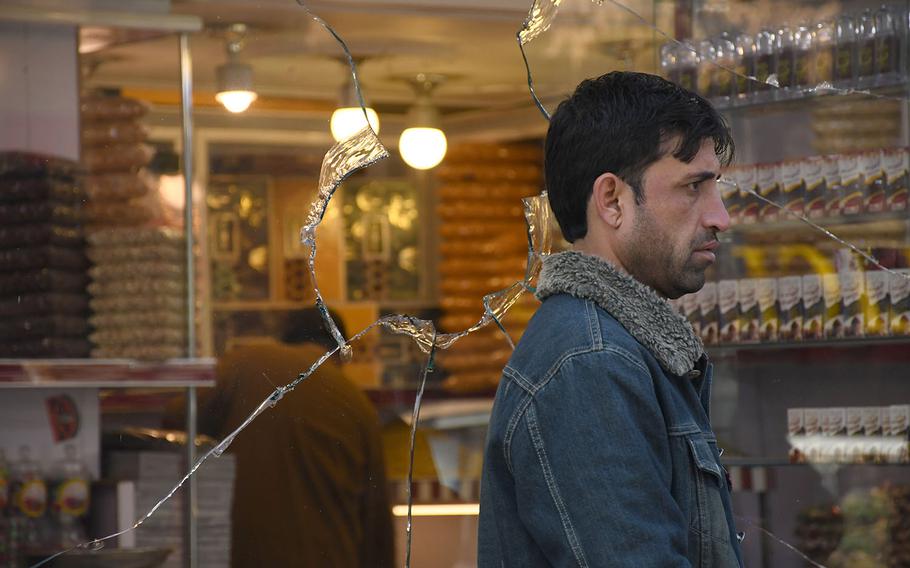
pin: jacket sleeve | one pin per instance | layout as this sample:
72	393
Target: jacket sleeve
591	462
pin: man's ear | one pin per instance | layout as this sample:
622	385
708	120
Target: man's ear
605	201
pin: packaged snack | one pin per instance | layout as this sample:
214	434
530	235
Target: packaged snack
886	421
708	310
813	307
793	187
795	426
900	417
689	304
896	163
748	185
730	194
790	299
852	291
766	292
769	187
872	420
877	303
728	302
849	167
834	306
899	300
874	181
834	190
812	421
816	188
749	313
834	421
854	421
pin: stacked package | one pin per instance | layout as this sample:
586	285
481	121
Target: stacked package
152	475
484	249
43	304
138	281
138	293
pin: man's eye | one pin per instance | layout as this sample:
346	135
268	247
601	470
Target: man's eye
694	186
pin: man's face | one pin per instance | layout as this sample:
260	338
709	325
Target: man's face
673	234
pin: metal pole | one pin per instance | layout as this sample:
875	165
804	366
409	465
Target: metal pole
186	114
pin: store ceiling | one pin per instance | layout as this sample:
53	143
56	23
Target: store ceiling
472	42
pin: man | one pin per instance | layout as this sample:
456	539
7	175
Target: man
310	487
599	451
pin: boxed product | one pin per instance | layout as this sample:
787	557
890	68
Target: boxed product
834	421
766	293
690	309
874	181
793	189
790	299
900	417
899	295
855	421
795	425
747	177
812	421
728	304
749	314
850	168
834	191
834	306
729	192
852	285
872	420
813	307
896	163
769	187
877	303
708	310
815	188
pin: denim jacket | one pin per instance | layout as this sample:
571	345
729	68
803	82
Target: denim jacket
599	451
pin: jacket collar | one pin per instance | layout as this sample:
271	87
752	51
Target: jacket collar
646	316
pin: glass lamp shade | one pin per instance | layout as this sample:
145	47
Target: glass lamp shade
236	101
422	148
347	121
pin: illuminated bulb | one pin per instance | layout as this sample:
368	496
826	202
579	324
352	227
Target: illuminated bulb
422	148
236	101
347	121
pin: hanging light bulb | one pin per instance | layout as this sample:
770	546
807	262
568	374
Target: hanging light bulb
235	79
348	118
423	144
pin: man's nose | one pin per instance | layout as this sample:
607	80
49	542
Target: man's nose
715	216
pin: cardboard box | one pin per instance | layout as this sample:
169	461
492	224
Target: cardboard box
815	187
709	312
748	185
730	194
852	285
749	313
728	303
900	418
690	309
793	187
769	187
795	425
812	421
834	191
834	421
850	169
790	299
874	192
896	163
834	306
877	303
872	420
813	307
855	421
766	291
899	302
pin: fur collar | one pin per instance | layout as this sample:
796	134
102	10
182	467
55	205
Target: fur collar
646	316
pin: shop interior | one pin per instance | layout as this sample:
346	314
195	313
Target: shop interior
160	160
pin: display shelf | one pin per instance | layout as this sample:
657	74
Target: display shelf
781	98
106	373
783	462
727	348
862	225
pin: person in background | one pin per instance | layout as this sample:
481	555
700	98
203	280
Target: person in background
311	486
599	450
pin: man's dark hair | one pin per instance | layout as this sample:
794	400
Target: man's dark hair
618	123
307	326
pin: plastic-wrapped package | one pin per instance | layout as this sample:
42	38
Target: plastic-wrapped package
120	214
40	234
41	189
22	327
40	212
25	258
118	187
117	157
32	165
100	133
44	280
146	303
40	304
108	107
66	347
135	253
137	286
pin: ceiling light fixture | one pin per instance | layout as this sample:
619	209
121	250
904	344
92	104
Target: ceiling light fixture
235	79
348	118
423	144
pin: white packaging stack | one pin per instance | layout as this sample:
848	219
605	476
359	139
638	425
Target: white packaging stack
152	476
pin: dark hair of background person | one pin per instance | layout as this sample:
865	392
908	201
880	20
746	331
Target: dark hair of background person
307	326
619	123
